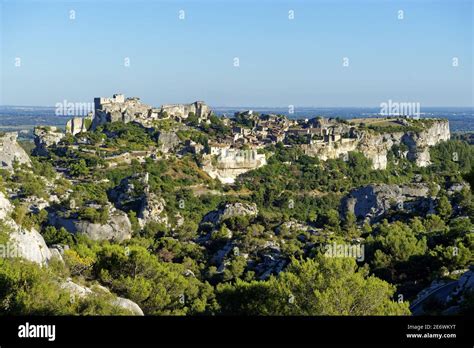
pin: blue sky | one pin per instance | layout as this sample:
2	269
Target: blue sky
282	62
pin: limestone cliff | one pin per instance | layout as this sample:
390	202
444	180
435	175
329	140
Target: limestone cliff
373	202
375	145
11	151
78	125
230	163
23	243
44	138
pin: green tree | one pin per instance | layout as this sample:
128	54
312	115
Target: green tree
160	288
29	289
79	169
444	208
320	286
52	235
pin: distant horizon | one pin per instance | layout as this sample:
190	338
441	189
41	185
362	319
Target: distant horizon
267	106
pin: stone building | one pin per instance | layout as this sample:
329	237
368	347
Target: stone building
182	111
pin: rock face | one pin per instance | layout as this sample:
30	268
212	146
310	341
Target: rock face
11	151
231	210
5	206
27	244
129	193
376	146
230	163
152	209
117	228
46	137
30	245
150	206
449	295
375	201
181	111
78	125
168	140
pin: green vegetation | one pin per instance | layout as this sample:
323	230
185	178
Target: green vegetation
28	289
320	286
270	263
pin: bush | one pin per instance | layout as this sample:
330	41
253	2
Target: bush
52	236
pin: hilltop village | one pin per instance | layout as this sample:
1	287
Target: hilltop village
140	205
238	143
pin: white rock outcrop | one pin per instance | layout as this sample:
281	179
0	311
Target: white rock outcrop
376	146
46	136
27	244
230	163
374	201
128	305
11	151
78	125
230	210
181	111
117	228
5	206
30	245
82	291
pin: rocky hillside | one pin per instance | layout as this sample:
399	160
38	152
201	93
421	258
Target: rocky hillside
227	216
413	144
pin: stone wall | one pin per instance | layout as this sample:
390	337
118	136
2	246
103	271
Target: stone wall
121	109
181	111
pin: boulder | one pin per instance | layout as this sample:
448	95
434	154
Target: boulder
230	210
375	201
76	289
168	140
128	305
82	291
29	244
117	228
